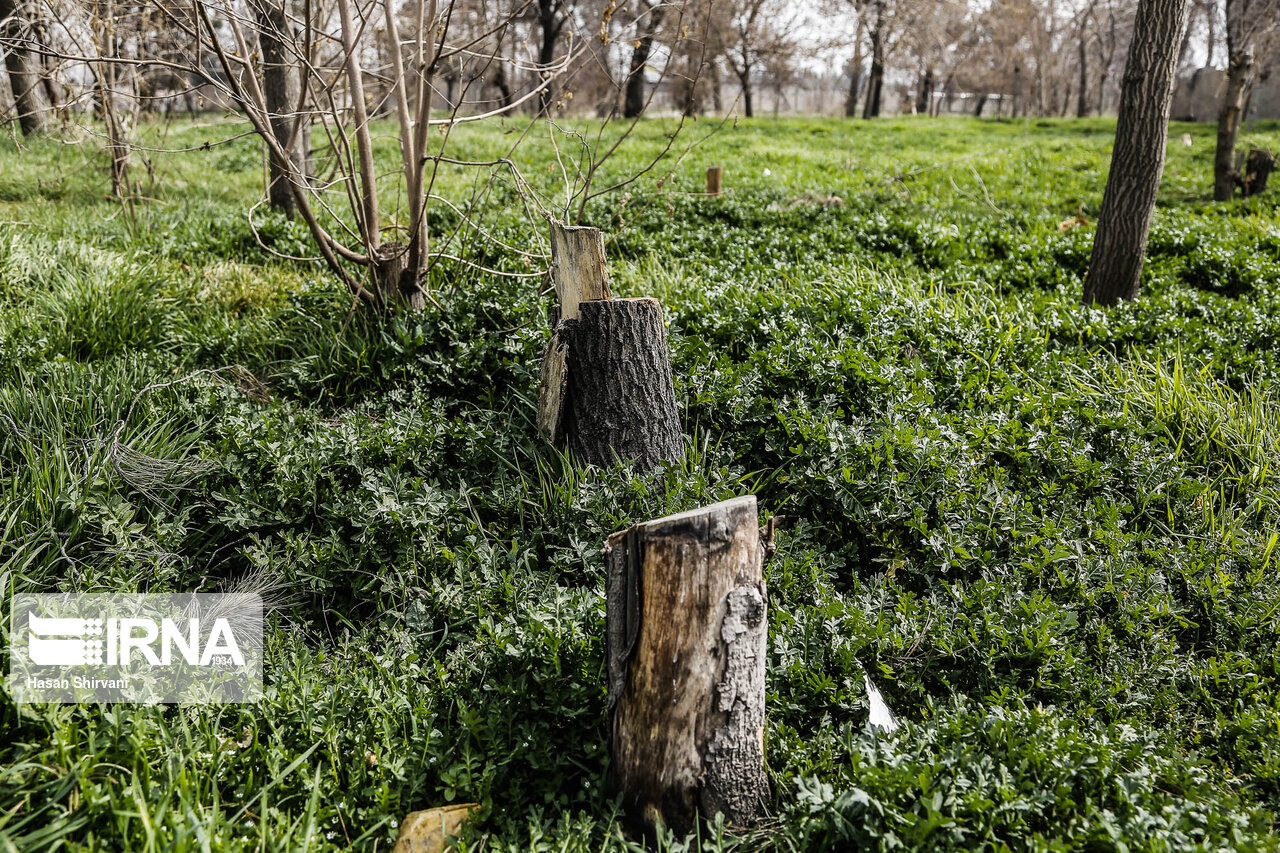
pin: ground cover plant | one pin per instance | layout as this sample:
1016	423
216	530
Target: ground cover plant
1047	532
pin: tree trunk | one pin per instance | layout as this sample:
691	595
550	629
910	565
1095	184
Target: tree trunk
924	97
1239	72
548	15
634	102
876	81
1137	158
982	102
1107	60
22	62
744	79
500	83
717	98
855	78
686	626
282	88
1082	97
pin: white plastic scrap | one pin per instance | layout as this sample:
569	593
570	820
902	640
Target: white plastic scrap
881	717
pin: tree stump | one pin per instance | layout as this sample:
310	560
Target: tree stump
713	181
606	387
1257	170
686	629
621	399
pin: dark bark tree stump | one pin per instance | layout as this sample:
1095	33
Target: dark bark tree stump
1257	171
621	400
687	628
606	387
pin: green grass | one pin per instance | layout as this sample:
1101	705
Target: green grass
1048	532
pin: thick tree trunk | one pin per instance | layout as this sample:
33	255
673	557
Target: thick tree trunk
1137	159
977	110
744	79
23	64
686	625
282	88
634	102
1239	73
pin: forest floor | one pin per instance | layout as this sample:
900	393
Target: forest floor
1047	532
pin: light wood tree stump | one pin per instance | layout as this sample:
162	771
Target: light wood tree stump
606	388
687	627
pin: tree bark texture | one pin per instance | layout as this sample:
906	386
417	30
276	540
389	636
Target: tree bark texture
1257	171
282	88
875	83
22	62
1137	159
621	400
686	631
634	102
1239	73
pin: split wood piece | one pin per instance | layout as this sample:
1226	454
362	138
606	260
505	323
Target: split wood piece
621	401
553	388
713	181
686	627
577	267
428	831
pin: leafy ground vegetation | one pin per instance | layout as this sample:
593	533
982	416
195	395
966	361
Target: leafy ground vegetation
1047	532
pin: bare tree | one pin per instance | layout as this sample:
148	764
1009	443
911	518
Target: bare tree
282	92
759	35
1137	158
1252	26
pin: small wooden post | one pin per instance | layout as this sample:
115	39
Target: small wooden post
686	627
606	388
713	181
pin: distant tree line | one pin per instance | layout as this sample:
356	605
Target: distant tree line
302	70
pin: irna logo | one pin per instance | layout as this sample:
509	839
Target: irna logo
200	648
58	641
